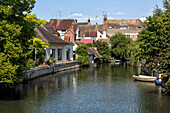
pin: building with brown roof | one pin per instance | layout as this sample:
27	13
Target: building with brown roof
130	27
94	56
58	48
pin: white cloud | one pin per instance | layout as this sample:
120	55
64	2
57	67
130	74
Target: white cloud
98	9
118	13
112	9
143	19
150	12
75	15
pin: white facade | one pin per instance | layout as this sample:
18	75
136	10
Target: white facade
53	50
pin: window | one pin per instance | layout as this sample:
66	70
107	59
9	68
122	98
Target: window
128	36
52	53
123	26
68	54
59	54
139	27
63	31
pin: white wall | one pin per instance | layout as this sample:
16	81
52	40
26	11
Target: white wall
59	46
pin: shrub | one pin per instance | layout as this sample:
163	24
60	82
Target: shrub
51	60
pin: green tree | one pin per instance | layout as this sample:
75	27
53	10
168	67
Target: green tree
38	45
82	53
15	31
103	49
118	45
157	11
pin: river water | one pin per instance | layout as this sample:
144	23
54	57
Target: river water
97	89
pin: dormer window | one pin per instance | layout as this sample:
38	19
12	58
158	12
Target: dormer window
123	26
139	27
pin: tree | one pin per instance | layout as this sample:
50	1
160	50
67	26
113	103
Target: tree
103	49
82	53
15	31
118	45
38	45
157	11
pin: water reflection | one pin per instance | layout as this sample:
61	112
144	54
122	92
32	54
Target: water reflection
104	88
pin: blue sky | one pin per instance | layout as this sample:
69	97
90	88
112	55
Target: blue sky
94	9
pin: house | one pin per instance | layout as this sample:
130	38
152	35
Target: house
94	56
129	27
72	33
58	48
61	25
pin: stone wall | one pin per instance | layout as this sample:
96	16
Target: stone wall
38	72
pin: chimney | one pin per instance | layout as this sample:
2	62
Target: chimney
88	21
75	20
105	18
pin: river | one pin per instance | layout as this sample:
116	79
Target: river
106	88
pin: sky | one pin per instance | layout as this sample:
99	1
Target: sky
94	9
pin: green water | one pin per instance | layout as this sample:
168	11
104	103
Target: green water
97	89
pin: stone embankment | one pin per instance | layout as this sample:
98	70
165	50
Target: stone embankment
38	72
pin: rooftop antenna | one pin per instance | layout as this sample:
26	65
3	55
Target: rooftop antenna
60	14
96	19
52	15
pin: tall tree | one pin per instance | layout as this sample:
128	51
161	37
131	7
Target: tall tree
15	31
118	43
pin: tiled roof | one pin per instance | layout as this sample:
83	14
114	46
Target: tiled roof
43	34
79	43
69	30
50	29
113	31
93	51
86	28
128	22
86	41
61	24
91	34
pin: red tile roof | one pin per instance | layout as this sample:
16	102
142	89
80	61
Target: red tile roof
69	30
50	29
91	34
86	41
61	24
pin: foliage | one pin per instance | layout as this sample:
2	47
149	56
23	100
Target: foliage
34	20
51	60
39	46
155	37
154	44
157	11
15	32
118	45
16	28
82	53
132	51
89	45
103	49
30	63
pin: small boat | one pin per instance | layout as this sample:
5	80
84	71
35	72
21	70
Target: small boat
145	78
158	82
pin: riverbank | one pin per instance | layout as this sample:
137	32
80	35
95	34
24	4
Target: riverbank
41	71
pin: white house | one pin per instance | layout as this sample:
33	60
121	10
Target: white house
58	48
